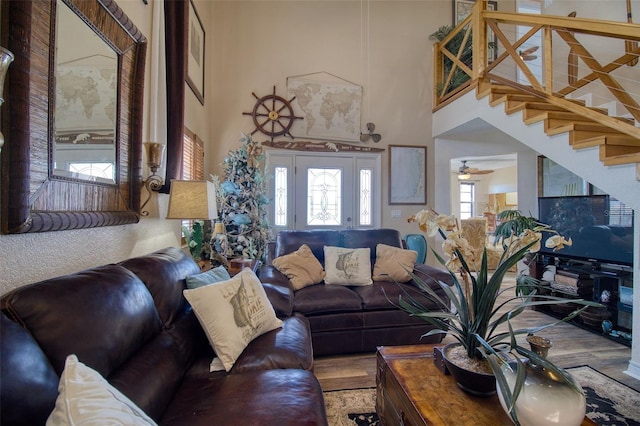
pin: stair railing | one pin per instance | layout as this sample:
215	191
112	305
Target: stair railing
469	57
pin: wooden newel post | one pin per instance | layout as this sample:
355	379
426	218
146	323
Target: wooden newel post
480	45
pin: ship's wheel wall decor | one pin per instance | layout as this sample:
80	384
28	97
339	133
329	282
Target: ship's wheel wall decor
272	115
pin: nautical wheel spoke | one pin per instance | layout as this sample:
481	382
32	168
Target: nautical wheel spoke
278	111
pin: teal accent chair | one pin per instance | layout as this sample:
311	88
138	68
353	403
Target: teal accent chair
418	243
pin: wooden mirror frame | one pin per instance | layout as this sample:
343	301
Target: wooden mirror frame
32	199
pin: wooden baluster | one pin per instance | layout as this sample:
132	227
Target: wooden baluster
572	70
630	46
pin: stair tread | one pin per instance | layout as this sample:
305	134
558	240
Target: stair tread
620	139
622	159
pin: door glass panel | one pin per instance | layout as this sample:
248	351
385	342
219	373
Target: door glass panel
324	197
281	198
365	197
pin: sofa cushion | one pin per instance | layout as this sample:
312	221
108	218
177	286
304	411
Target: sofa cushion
87	398
393	263
164	272
233	313
28	383
103	315
301	267
267	397
289	241
320	299
383	295
286	347
211	276
347	266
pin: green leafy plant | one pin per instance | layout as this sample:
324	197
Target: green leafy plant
513	222
194	238
473	316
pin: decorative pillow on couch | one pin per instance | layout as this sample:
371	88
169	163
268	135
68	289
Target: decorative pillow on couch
391	263
214	275
85	397
347	266
233	313
301	267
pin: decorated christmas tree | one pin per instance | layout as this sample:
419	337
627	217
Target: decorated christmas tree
242	202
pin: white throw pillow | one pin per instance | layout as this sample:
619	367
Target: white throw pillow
347	266
86	398
233	313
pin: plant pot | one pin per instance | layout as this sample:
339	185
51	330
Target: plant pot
472	382
544	400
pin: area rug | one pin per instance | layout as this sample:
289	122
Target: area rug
609	402
351	407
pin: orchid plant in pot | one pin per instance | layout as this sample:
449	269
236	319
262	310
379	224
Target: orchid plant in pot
473	316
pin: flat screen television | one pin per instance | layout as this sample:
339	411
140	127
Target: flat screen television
600	227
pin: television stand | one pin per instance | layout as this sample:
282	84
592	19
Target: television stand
610	287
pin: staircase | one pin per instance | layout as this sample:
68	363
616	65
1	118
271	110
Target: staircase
615	147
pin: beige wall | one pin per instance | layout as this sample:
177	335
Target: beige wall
258	44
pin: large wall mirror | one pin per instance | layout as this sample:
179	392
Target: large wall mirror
72	157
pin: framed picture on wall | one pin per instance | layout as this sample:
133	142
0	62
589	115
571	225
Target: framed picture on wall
462	9
195	53
407	174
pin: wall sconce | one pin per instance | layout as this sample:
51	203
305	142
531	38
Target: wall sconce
6	57
154	182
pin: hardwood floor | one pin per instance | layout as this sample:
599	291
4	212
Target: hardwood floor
572	346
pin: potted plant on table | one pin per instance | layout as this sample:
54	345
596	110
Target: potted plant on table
474	317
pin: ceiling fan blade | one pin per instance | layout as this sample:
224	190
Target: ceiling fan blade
364	137
530	50
481	172
371	127
529	57
376	137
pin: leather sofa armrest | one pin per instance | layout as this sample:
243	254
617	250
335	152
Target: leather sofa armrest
278	289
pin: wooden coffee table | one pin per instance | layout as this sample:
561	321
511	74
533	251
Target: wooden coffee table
411	390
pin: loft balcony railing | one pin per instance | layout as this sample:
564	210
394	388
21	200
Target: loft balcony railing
556	58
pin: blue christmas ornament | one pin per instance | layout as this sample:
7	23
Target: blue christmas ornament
230	187
241	219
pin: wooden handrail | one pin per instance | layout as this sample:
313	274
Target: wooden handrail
611	29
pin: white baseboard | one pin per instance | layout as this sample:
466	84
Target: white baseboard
633	370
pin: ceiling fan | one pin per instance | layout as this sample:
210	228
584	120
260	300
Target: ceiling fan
465	172
527	54
376	137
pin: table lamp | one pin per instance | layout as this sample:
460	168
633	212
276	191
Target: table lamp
194	200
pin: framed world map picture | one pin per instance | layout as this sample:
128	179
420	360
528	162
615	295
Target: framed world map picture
329	105
407	174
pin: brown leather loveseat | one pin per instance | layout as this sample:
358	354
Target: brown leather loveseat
131	323
354	319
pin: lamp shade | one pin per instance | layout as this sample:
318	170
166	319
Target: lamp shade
190	199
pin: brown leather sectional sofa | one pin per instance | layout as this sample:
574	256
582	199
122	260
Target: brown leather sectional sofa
154	350
349	319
